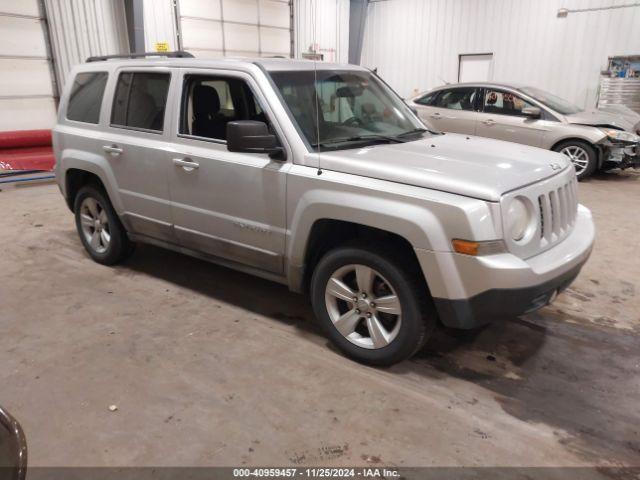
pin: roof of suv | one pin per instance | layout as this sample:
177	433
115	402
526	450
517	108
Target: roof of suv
269	64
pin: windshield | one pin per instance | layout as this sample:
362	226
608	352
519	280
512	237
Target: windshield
354	108
558	104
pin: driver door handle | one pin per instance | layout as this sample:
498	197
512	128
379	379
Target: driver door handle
489	122
186	163
436	115
112	149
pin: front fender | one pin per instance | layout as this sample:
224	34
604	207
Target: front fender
426	219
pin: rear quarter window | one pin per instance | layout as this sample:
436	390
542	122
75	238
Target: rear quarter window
86	95
427	99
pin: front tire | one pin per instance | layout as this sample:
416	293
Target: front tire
582	155
100	229
370	306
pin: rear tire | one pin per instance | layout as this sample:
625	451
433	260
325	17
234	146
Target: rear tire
99	227
582	155
345	286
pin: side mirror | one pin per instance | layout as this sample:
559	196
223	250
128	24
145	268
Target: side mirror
13	448
531	112
250	136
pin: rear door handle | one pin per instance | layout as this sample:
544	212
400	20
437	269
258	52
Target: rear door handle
186	163
112	149
437	116
489	122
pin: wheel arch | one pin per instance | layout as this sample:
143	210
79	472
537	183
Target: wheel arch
80	168
327	234
573	138
75	179
599	149
422	223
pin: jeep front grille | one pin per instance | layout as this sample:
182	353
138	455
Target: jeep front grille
555	204
558	209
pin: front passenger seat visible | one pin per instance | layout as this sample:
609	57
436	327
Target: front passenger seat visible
207	121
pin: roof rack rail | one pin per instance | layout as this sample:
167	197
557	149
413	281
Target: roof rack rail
176	54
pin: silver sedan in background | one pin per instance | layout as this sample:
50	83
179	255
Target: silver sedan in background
597	139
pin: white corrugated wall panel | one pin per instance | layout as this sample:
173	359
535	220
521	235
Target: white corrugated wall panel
20	7
246	28
26	84
322	25
84	28
159	24
27	113
25	77
415	43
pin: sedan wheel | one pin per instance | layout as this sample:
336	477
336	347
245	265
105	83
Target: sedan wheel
363	306
583	156
578	156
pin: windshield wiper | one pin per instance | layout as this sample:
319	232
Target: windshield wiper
415	130
420	130
360	138
376	136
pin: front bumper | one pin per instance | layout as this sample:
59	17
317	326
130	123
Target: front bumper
623	156
471	291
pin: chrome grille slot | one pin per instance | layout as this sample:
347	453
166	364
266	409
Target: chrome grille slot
564	208
541	208
555	212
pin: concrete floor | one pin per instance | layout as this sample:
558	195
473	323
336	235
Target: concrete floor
212	367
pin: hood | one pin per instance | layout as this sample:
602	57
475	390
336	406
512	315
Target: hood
466	165
624	119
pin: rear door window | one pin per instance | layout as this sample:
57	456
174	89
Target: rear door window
86	95
140	100
457	99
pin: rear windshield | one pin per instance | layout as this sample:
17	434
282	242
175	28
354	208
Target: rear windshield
552	101
86	95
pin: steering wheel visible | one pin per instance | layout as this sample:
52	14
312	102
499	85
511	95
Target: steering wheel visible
353	122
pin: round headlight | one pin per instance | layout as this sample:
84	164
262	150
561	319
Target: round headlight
517	219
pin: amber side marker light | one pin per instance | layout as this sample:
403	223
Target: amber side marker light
467	247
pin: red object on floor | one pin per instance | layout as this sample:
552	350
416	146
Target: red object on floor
26	150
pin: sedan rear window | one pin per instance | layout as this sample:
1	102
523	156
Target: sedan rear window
552	101
457	99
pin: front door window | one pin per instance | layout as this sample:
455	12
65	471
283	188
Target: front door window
504	103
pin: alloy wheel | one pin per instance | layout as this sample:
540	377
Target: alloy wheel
95	225
363	306
578	156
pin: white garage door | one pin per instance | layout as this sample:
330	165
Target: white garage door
244	28
26	84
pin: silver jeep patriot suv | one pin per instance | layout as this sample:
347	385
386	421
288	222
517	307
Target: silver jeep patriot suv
320	177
